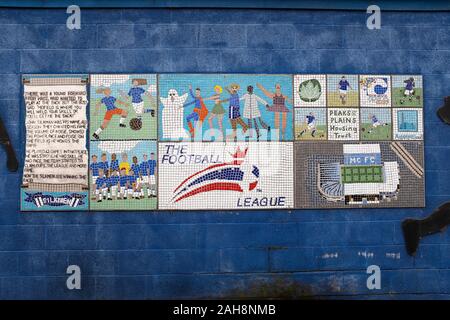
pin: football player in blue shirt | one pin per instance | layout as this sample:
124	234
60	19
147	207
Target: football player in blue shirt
93	168
375	123
113	185
409	89
136	93
111	110
104	165
343	87
132	185
152	173
137	174
144	171
114	163
101	186
310	121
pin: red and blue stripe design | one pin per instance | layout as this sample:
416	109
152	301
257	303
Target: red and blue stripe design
217	177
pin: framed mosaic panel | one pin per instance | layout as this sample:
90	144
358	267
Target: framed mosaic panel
123	106
373	174
407	91
123	175
376	124
222	142
55	175
311	124
343	123
218	175
372	155
225	107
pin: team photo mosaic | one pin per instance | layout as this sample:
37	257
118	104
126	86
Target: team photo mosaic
222	141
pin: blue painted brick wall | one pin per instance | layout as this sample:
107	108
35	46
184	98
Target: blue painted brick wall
222	254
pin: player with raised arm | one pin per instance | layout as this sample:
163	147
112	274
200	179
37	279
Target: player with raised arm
109	101
132	185
136	93
278	107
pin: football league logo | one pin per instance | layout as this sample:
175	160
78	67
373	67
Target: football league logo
236	175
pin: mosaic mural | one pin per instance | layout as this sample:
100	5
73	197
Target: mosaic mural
222	141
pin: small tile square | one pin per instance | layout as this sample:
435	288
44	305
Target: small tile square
376	124
407	91
343	124
408	123
342	90
310	90
310	123
375	90
123	106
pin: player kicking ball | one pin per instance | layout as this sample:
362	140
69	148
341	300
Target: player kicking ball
310	121
409	90
109	101
375	123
